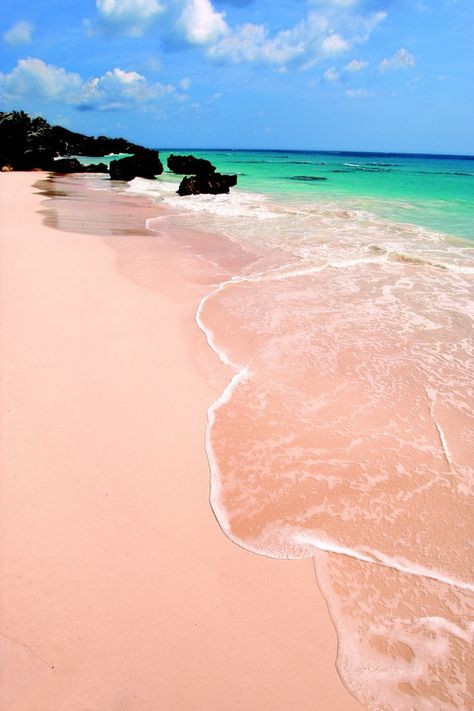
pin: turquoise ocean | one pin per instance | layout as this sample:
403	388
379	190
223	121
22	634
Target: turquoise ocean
431	191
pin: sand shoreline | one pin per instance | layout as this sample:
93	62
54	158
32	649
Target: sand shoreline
119	589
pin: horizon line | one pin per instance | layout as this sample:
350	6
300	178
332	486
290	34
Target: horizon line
469	156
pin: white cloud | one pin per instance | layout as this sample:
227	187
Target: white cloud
334	44
356	65
330	28
245	43
363	25
20	33
200	23
115	89
128	17
195	21
358	93
33	78
321	34
185	83
402	59
305	42
331	74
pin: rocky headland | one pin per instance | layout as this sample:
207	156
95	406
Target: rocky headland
28	143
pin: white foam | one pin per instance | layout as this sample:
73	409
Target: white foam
444	444
237	203
442	625
215	479
305	544
224	357
367	555
327	217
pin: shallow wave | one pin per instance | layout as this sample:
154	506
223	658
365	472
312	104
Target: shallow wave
236	204
346	437
344	433
322	232
366	167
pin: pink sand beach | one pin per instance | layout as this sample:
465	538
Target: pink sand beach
119	589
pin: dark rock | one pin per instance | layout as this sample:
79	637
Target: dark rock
95	168
189	165
34	158
27	143
144	164
72	165
213	183
66	165
70	143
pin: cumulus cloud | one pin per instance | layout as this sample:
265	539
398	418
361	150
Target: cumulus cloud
200	23
334	44
331	74
128	17
402	59
249	42
329	28
116	89
356	65
20	33
321	34
194	21
304	42
33	78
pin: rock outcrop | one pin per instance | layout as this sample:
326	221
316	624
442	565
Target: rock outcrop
72	165
27	143
213	183
144	164
189	165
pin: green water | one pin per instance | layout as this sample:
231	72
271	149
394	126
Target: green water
435	192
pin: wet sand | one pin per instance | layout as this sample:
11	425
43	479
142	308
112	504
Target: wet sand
119	589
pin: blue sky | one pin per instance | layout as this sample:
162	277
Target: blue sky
393	75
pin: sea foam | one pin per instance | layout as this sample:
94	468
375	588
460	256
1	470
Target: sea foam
345	431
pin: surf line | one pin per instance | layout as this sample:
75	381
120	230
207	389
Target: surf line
243	373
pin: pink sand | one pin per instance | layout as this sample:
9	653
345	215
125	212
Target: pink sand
119	590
